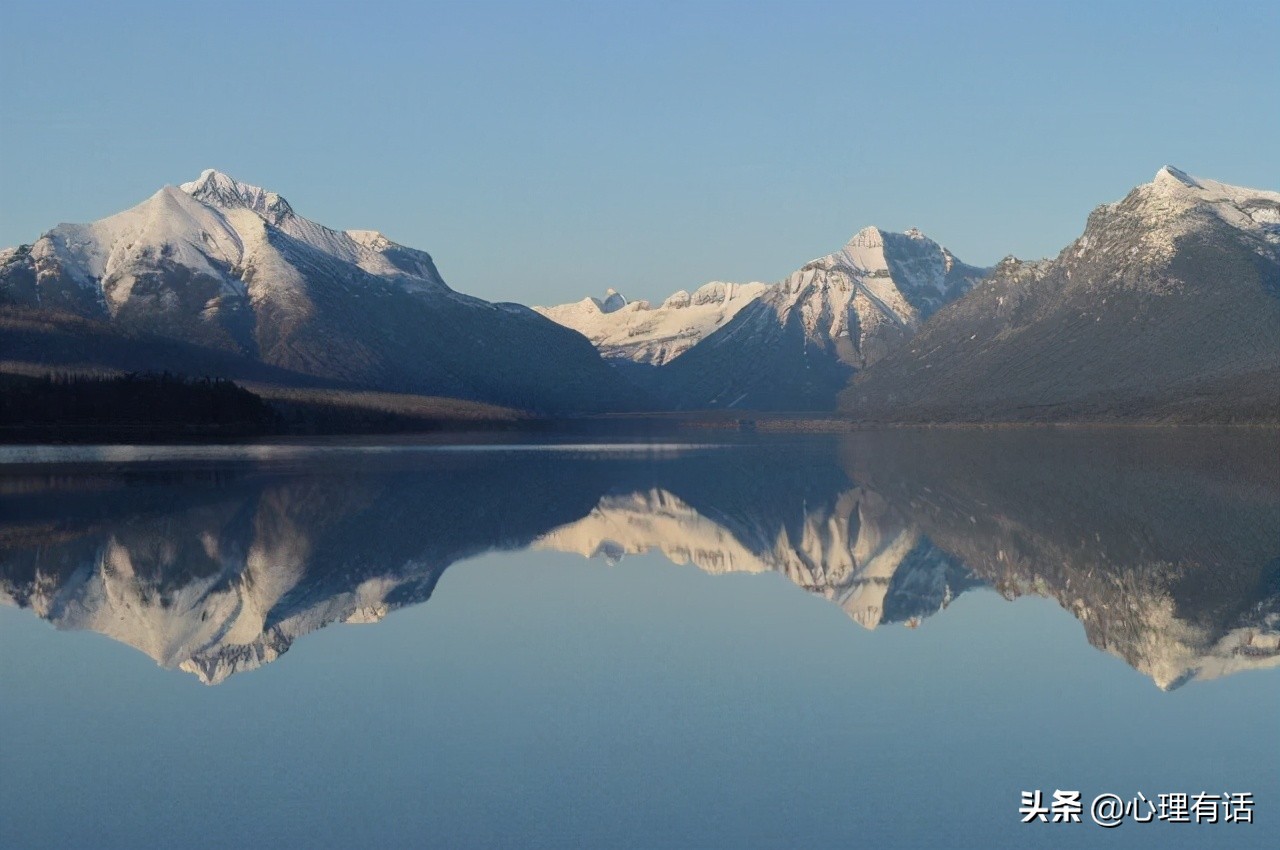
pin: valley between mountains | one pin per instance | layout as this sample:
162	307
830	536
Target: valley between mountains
1165	309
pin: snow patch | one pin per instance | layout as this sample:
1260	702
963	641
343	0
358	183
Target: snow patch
637	331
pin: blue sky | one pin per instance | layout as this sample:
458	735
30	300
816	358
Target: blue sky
544	151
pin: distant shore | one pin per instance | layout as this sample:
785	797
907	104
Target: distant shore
166	408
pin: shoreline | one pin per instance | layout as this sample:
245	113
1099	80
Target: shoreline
462	431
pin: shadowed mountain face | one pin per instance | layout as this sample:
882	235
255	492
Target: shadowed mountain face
1167	308
218	277
1165	546
797	344
789	346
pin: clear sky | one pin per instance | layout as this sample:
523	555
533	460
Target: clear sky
544	151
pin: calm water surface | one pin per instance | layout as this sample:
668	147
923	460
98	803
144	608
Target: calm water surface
880	640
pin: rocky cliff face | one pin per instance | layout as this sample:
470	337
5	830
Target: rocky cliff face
788	346
1166	308
637	332
220	277
797	345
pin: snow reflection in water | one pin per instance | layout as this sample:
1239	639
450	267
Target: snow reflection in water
215	559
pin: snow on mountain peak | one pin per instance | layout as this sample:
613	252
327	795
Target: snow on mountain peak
212	232
1171	181
170	224
637	331
678	300
613	301
213	180
217	189
888	282
1175	203
717	292
369	238
368	249
1169	173
867	237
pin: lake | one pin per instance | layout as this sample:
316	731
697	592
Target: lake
878	639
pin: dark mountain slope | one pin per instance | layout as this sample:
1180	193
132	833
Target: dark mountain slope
232	275
1167	308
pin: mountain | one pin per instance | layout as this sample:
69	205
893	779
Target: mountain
1167	308
797	344
637	332
222	277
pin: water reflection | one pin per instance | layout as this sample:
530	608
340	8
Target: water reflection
1165	545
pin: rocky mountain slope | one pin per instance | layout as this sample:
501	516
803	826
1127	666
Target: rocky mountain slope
225	278
796	346
1166	308
637	332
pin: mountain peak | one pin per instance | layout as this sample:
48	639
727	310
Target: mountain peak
369	238
213	180
1168	174
868	237
221	190
613	300
678	300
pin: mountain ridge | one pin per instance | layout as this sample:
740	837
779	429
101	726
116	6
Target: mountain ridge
740	345
638	332
233	270
798	344
1166	308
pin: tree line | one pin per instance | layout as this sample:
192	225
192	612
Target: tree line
136	403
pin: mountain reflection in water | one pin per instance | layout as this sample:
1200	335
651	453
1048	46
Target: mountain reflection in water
1164	544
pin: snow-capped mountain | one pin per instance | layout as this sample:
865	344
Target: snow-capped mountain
796	346
1167	307
636	331
368	249
232	270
